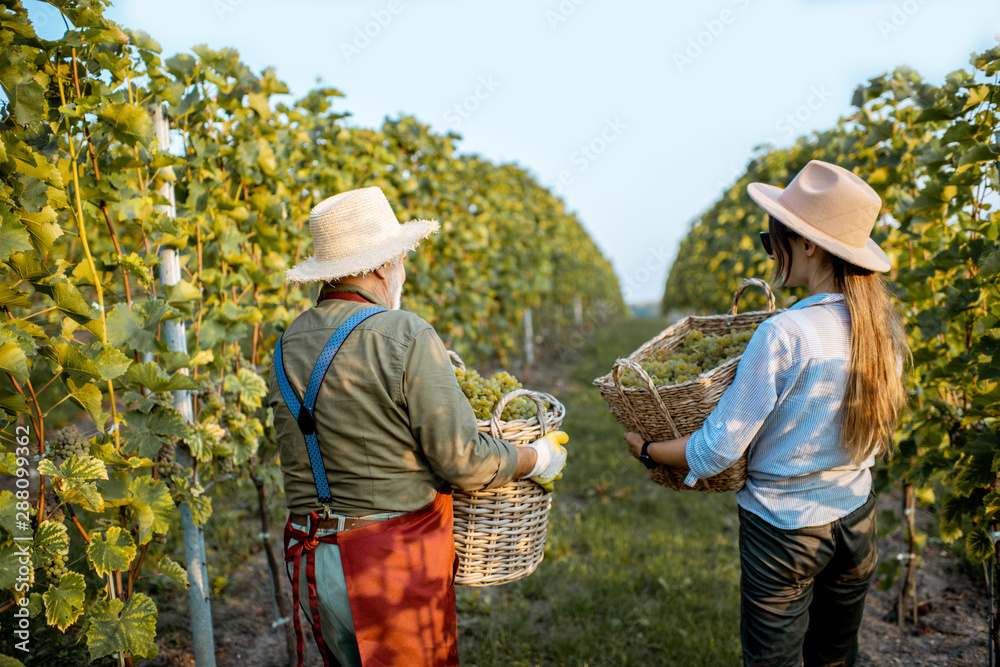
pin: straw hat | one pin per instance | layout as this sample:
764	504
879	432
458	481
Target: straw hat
831	207
354	233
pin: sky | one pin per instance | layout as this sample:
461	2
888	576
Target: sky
638	114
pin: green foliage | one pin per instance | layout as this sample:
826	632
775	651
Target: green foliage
122	627
64	601
931	152
175	571
110	552
85	190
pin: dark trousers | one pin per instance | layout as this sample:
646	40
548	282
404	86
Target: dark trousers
802	592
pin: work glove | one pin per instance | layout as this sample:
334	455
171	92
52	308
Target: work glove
551	459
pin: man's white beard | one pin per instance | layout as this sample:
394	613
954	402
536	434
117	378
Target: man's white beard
396	288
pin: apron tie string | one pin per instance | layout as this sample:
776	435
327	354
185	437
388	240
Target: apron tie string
306	544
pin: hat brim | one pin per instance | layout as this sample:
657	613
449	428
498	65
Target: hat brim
870	256
365	260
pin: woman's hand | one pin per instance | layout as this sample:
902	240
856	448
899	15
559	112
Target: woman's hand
634	442
670	452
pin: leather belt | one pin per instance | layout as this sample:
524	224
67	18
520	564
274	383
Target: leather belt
340	523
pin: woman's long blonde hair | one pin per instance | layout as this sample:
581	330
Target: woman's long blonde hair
875	392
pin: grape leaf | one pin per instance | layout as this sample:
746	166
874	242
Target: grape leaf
28	102
115	490
8	512
51	538
147	433
75	469
88	397
131	124
11	554
13	361
150	376
64	603
175	571
13	234
978	544
113	551
86	495
250	387
151	505
117	627
127	326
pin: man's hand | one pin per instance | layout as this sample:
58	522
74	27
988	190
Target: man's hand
551	458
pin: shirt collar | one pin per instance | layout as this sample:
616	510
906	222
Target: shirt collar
353	289
818	300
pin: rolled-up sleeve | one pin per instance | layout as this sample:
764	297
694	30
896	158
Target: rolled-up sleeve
735	421
443	423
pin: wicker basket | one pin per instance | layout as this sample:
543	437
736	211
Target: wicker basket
500	533
670	412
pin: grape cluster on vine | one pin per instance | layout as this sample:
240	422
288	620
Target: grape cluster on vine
485	393
697	354
224	465
67	442
167	466
208	391
57	567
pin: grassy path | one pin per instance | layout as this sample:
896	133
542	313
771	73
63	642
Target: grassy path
634	574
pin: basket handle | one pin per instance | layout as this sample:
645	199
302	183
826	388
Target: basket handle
455	359
539	399
755	282
636	368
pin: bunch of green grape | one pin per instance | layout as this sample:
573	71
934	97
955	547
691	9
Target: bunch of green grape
485	393
57	567
224	465
697	354
67	442
167	466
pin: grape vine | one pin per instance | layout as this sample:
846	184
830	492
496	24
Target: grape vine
83	219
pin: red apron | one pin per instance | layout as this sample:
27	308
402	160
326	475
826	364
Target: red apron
400	577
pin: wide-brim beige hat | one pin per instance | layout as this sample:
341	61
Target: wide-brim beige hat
355	233
830	206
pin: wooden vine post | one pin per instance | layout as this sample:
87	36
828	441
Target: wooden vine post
281	602
529	338
991	568
909	588
175	336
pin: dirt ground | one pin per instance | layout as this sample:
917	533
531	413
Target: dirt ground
952	627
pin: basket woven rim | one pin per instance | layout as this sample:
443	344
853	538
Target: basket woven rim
555	415
642	351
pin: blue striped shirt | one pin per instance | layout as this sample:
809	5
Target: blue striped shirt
787	404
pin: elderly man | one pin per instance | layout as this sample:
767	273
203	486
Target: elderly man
373	430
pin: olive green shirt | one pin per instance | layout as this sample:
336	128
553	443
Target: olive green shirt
392	423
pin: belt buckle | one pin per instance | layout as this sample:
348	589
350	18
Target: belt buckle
329	514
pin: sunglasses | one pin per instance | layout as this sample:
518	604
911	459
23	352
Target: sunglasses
765	240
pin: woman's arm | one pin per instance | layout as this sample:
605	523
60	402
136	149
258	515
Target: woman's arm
670	452
731	426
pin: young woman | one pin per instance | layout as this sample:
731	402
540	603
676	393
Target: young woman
816	398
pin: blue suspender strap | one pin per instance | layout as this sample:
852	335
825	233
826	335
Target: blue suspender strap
303	410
